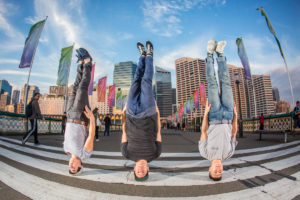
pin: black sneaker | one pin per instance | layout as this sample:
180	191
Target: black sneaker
37	143
84	53
141	48
149	48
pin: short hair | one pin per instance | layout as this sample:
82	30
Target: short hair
215	179
36	93
141	179
297	102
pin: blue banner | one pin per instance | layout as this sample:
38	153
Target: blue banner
244	58
31	43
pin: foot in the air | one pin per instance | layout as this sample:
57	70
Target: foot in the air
149	48
141	49
220	47
211	46
84	54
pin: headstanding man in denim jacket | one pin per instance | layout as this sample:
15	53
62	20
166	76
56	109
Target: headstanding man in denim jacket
219	126
80	128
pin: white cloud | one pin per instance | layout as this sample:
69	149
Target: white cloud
163	17
9	61
19	72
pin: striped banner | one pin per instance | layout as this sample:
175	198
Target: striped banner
102	89
111	95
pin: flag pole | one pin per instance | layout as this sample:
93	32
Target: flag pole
290	82
66	89
26	90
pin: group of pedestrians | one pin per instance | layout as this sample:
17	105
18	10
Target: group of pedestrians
141	139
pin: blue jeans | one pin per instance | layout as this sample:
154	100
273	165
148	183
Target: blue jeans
221	105
141	101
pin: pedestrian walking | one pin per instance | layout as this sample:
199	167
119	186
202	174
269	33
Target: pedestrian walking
98	123
296	115
107	122
261	121
32	112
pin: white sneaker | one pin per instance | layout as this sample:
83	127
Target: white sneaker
211	46
220	47
97	140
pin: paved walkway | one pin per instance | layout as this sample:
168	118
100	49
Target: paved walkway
267	169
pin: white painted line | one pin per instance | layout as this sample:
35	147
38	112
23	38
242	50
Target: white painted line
284	163
108	153
155	163
38	188
156	178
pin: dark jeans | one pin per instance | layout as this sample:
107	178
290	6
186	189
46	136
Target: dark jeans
141	96
221	105
106	130
79	96
97	134
261	127
34	129
296	123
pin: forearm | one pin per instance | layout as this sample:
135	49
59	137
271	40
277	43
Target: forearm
204	128
124	136
234	126
89	144
158	136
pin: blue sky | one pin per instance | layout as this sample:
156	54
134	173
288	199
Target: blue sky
110	30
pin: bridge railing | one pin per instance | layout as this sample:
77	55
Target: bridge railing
272	123
15	123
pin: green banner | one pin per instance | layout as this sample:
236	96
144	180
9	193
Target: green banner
64	65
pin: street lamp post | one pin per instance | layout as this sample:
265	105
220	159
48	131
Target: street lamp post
237	81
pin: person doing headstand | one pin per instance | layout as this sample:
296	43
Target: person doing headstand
219	126
141	137
80	127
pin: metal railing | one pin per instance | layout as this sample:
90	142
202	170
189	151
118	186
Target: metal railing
16	123
281	122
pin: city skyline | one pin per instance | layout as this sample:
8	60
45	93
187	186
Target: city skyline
177	29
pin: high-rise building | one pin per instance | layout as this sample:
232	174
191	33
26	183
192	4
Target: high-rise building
263	94
189	73
174	101
282	107
123	78
57	90
162	88
239	88
4	100
51	104
15	96
276	96
5	87
11	108
123	74
20	108
32	89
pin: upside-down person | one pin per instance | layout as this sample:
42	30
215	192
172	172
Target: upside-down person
141	137
80	127
219	126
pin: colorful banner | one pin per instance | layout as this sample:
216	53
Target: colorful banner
102	89
202	94
192	104
184	108
244	58
64	66
111	95
188	107
196	99
31	43
181	111
91	85
119	100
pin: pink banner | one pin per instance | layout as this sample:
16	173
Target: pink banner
111	95
91	85
102	89
196	99
202	94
